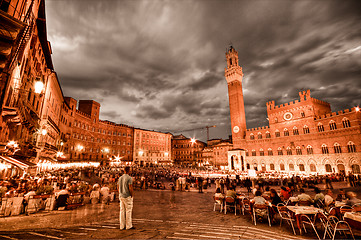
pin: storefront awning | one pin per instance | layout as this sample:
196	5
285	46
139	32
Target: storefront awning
22	164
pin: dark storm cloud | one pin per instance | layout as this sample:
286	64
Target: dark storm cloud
163	61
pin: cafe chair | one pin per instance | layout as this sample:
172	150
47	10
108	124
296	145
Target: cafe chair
356	207
334	225
230	202
304	219
304	203
245	205
285	215
218	201
344	209
261	210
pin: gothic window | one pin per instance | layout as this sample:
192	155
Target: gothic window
309	149
251	136
302	167
272	166
295	131
324	149
291	167
276	120
268	135
282	167
351	147
261	152
303	114
312	167
259	135
337	148
328	168
279	151
320	127
253	152
247	154
346	123
270	152
298	150
306	130
289	151
248	166
332	125
285	132
355	169
277	133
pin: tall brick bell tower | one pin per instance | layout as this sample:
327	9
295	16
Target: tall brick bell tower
234	75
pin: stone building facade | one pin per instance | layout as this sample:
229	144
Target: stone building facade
187	151
303	136
152	147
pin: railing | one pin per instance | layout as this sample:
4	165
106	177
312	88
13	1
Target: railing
15	8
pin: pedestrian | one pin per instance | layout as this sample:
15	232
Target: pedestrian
125	186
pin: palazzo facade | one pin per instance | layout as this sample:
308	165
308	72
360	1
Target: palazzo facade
303	137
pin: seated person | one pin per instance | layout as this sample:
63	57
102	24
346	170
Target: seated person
319	198
275	199
329	201
285	193
341	196
258	199
231	192
352	200
218	194
304	197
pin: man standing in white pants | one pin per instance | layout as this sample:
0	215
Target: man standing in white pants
125	186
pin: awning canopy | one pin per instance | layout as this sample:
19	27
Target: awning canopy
22	164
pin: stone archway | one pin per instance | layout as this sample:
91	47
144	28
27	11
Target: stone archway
341	168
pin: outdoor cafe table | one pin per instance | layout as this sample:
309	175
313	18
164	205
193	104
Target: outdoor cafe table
297	211
354	219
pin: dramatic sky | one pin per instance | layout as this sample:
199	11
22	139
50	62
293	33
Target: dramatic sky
159	64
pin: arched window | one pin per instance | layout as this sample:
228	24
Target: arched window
346	123
272	166
285	132
337	148
253	152
309	149
303	114
320	127
312	167
261	152
328	168
291	167
255	166
259	135
248	166
277	133
276	120
302	167
251	136
247	154
306	129
268	135
332	125
324	149
298	150
289	151
351	147
270	152
355	169
295	131
279	151
282	167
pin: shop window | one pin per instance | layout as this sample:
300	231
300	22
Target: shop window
291	167
328	168
302	167
312	167
282	167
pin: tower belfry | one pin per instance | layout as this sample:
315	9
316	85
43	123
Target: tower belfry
234	75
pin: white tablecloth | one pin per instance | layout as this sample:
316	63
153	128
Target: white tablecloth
304	209
356	216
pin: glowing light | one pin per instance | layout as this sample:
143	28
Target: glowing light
59	154
166	154
15	145
61	143
357	109
11	143
80	147
44	132
106	150
39	86
193	140
141	152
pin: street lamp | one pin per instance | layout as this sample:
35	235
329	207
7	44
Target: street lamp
193	140
39	86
